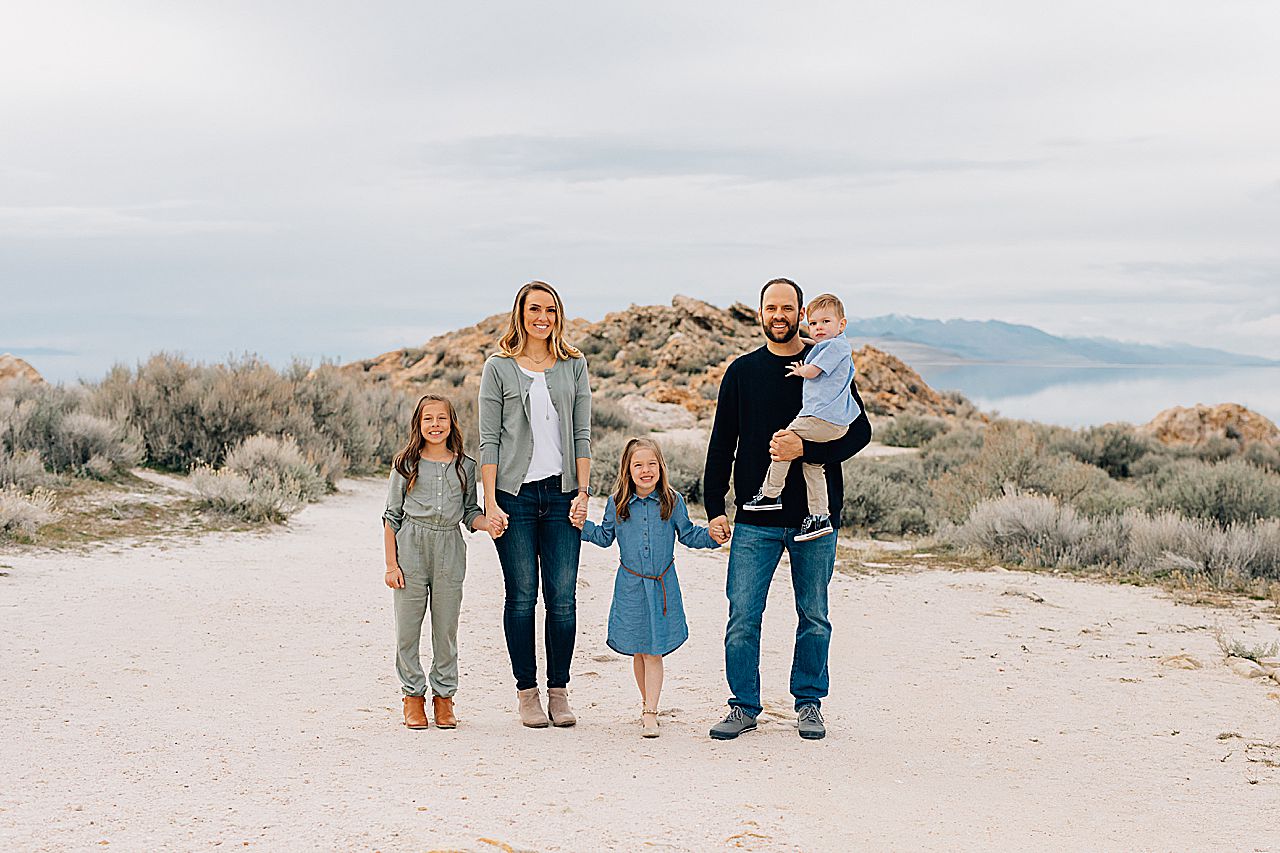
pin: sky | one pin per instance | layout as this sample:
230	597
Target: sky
327	180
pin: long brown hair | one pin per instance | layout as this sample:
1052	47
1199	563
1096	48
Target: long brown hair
513	341
406	461
623	488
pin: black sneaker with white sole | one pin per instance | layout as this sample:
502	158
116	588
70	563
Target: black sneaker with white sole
814	526
762	502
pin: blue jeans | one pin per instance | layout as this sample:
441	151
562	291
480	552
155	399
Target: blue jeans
753	558
539	541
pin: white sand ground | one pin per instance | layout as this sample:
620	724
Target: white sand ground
237	691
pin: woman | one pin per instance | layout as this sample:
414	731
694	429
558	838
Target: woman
535	463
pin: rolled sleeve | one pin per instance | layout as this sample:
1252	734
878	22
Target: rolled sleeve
470	503
393	512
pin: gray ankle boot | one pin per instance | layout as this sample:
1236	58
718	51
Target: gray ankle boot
531	713
558	707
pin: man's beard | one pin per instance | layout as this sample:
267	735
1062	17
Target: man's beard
790	333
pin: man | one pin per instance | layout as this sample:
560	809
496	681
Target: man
757	400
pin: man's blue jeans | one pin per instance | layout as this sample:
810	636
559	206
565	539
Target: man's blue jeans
753	558
540	543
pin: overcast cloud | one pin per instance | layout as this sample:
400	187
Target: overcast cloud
340	179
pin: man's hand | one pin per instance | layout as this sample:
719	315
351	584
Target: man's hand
720	529
785	446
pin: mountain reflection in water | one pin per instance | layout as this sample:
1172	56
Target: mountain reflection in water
1084	396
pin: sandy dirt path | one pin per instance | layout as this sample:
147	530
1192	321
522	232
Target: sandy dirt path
237	690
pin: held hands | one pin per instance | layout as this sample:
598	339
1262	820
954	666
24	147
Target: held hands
785	446
720	529
394	578
497	520
578	510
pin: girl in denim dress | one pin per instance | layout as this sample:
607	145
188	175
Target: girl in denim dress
646	516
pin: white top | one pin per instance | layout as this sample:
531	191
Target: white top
548	458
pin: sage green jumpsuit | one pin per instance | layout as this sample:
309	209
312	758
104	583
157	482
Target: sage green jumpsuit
433	557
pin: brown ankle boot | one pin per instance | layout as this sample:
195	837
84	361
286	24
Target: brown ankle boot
531	713
442	706
415	712
558	707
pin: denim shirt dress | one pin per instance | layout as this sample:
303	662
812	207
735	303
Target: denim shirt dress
647	614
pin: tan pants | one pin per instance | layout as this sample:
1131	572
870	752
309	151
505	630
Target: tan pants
815	475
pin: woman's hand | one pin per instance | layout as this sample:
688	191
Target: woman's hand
394	578
578	510
497	519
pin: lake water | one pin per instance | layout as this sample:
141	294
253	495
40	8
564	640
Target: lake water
1084	396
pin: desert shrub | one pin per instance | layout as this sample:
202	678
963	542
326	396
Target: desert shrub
1115	448
1264	456
1029	529
90	445
951	450
263	458
887	495
22	469
959	405
607	416
910	430
1166	543
22	514
232	493
1224	492
193	413
53	422
1017	458
684	467
1105	543
606	452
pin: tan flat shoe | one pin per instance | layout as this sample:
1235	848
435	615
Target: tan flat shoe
649	721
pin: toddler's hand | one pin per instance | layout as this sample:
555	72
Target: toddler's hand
794	367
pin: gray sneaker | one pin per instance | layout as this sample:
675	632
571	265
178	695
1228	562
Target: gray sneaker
809	722
733	725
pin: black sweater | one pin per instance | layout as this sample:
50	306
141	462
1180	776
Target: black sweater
756	400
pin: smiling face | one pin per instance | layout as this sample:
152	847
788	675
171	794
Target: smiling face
540	314
645	471
824	323
435	423
780	313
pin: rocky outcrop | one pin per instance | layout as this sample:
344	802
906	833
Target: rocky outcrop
889	387
670	355
12	367
1187	427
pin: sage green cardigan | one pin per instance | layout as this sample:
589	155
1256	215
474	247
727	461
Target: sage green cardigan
506	438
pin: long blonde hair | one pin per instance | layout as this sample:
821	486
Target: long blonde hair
623	488
513	342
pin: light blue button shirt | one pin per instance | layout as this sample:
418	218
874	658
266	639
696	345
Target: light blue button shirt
828	397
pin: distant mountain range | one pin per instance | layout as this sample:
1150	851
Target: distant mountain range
924	341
